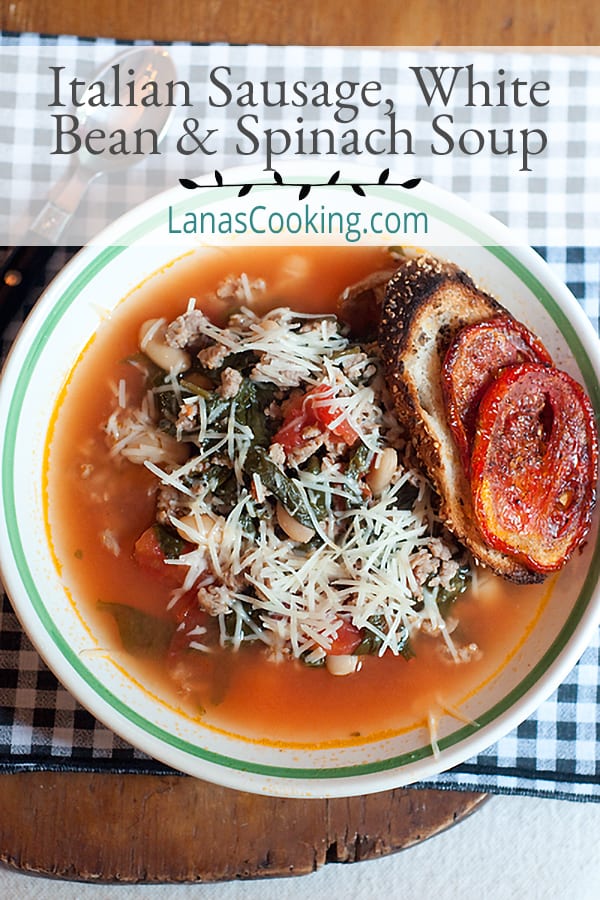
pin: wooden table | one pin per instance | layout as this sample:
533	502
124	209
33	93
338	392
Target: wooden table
100	837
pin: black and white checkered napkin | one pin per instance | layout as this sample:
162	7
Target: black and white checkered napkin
556	203
556	752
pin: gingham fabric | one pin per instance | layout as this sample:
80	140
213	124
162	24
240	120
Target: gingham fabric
557	203
556	752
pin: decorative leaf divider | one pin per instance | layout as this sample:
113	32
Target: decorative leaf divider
305	189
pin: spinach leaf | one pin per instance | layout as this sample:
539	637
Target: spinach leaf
458	584
168	409
407	651
359	462
216	476
250	403
358	465
189	387
318	500
285	489
350	350
371	641
171	544
244	361
217	407
318	503
406	495
226	491
230	620
141	634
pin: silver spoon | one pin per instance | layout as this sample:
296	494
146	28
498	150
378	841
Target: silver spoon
22	263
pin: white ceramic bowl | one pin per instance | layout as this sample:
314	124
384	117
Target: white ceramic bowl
61	325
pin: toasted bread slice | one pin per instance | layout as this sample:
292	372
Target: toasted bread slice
427	302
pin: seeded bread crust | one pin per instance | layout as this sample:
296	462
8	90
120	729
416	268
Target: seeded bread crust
427	302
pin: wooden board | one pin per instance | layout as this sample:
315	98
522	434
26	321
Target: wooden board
151	828
352	22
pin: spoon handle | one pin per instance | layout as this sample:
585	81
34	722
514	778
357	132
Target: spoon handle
23	263
16	276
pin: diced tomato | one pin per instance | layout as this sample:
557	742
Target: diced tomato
326	411
296	419
188	610
534	465
347	639
317	407
189	615
148	553
290	433
150	556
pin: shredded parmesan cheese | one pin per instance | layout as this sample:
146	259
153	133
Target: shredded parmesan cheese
360	566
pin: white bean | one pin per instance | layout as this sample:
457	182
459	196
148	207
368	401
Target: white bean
192	527
153	344
382	470
292	527
344	664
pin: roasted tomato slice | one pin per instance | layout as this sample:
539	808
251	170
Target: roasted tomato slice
474	358
534	465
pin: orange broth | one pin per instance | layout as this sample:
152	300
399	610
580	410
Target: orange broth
243	692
